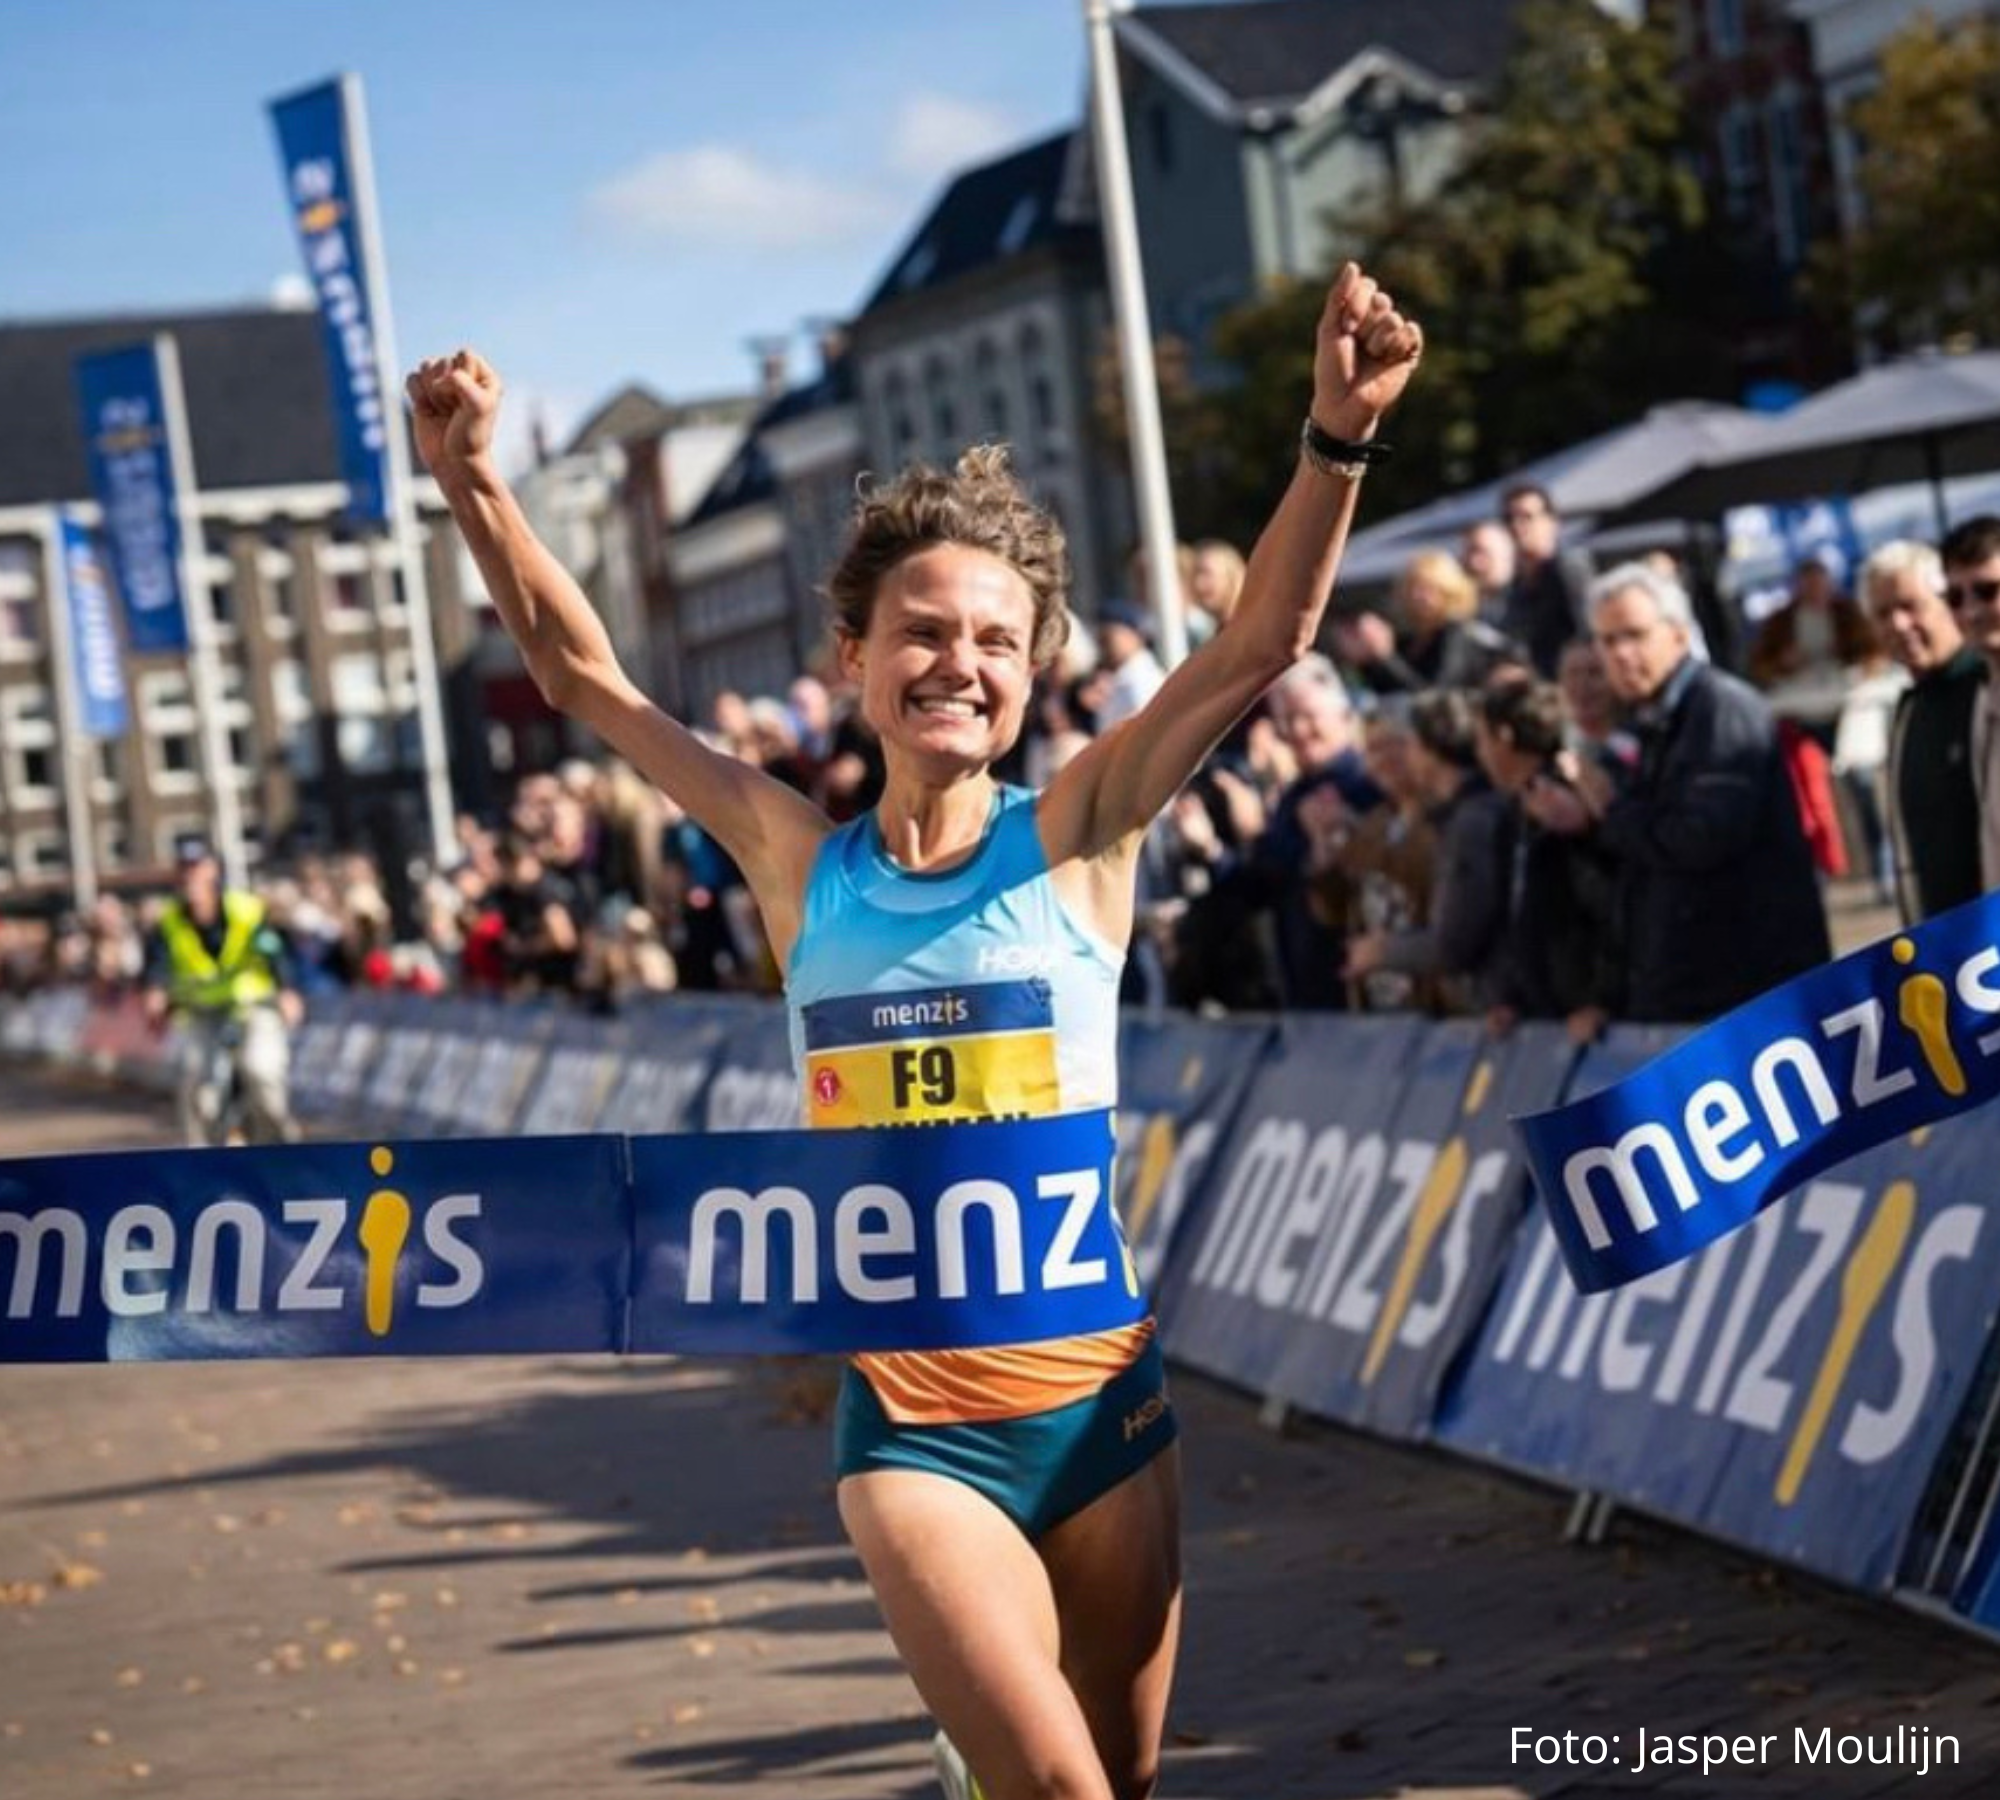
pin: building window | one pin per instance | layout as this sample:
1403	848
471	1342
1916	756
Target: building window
167	722
350	584
39	856
108	776
20	604
1737	136
992	384
280	577
944	414
898	426
28	740
1785	138
20	626
1725	27
218	573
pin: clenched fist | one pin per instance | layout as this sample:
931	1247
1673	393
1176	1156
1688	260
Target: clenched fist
1363	356
455	401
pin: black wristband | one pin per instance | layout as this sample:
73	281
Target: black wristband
1327	452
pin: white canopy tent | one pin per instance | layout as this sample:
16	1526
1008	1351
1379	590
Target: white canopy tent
1587	480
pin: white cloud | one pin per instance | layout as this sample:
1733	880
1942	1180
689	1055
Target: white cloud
717	195
935	135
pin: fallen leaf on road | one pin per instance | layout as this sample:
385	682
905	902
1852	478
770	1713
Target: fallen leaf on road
687	1713
341	1650
100	1737
1422	1659
130	1678
22	1593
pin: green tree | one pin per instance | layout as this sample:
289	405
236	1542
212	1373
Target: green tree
1925	261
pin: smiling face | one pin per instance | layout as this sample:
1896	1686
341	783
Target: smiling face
944	671
1913	619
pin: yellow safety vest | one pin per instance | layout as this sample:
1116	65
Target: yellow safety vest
233	981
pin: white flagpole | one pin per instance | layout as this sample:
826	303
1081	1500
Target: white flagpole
402	495
204	666
65	684
1135	338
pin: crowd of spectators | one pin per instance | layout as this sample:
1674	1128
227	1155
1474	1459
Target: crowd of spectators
1516	791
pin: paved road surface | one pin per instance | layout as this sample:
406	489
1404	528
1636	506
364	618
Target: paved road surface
539	1578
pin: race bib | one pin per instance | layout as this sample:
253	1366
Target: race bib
928	1055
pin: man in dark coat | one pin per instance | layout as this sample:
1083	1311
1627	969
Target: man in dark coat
1545	605
1933	807
1718	897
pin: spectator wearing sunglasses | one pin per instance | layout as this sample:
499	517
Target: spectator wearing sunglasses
1971	557
1933	807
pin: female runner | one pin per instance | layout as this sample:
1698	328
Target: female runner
1016	1509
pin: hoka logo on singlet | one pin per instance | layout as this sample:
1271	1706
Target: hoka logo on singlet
1016	959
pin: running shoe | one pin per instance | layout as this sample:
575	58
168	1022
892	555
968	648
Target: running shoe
953	1776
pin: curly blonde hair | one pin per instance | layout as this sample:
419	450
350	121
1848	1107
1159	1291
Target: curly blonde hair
980	505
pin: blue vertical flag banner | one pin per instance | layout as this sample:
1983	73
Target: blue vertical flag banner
131	470
1848	1056
316	147
100	675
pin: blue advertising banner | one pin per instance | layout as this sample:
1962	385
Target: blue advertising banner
753	1243
576	1079
1179	1084
945	1236
100	675
125	434
1301	1200
460	1031
666	1069
1424	1276
1856	1053
316	131
315	1250
755	1086
316	1050
1789	1387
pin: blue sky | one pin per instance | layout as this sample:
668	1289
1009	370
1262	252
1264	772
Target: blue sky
590	192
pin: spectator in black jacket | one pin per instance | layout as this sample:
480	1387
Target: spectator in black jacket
1933	808
1718	899
1545	606
1562	958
